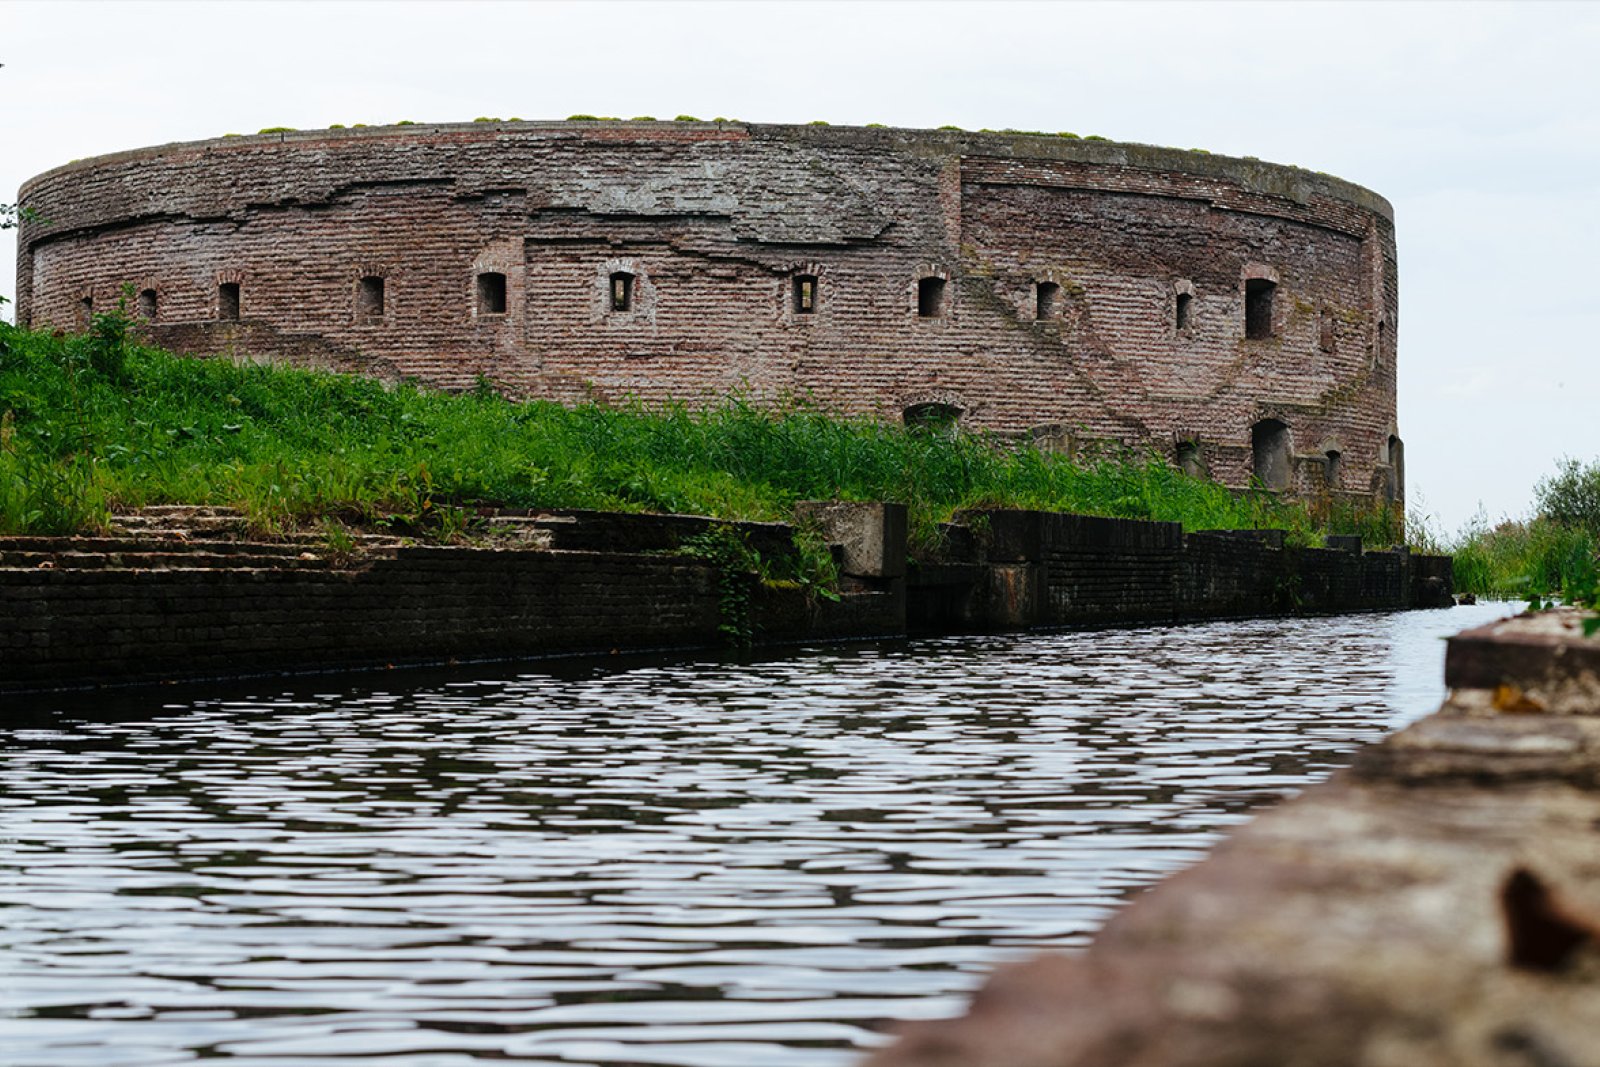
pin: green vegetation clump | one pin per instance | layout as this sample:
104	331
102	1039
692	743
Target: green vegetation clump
276	129
337	126
1556	553
482	118
1571	496
408	122
643	118
1095	137
685	118
876	126
817	122
97	421
958	129
1069	135
583	118
14	215
1534	559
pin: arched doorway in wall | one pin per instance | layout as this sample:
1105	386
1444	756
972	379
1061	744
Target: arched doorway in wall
1271	455
1394	454
1190	459
932	418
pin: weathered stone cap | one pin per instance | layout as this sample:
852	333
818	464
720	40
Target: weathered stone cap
1536	662
1274	179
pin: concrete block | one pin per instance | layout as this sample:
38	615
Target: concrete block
872	534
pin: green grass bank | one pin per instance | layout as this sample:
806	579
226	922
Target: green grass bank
93	422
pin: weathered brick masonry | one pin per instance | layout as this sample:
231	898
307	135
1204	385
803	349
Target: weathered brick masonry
1007	569
1238	315
141	607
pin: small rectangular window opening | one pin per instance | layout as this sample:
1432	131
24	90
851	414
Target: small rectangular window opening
369	298
86	311
491	293
1046	300
805	294
930	298
1258	308
228	301
1185	301
147	305
621	291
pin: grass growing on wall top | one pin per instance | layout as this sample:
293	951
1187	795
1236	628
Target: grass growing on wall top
94	422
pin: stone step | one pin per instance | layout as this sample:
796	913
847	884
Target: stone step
187	561
179	522
145	544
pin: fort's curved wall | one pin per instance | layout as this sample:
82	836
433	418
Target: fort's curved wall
1065	262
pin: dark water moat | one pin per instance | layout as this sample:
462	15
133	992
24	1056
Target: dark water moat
707	864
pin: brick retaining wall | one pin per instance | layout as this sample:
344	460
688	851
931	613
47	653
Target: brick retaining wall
154	605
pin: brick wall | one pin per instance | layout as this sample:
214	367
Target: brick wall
68	625
88	610
1025	568
716	220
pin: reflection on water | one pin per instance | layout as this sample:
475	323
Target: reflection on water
696	863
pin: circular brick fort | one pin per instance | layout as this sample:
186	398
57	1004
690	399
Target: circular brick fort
1235	315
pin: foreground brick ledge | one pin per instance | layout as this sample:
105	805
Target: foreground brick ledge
1436	904
1533	663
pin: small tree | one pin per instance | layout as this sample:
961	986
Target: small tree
1571	496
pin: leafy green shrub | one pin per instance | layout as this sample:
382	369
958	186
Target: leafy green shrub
1571	496
737	566
583	118
685	118
276	129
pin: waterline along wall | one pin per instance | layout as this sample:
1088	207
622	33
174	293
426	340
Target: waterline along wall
1236	316
178	597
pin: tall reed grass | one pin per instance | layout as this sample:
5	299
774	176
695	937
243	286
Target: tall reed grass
1534	559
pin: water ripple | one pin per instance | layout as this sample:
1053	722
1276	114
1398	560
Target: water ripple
690	864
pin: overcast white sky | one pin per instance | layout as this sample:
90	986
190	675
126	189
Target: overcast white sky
1479	122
